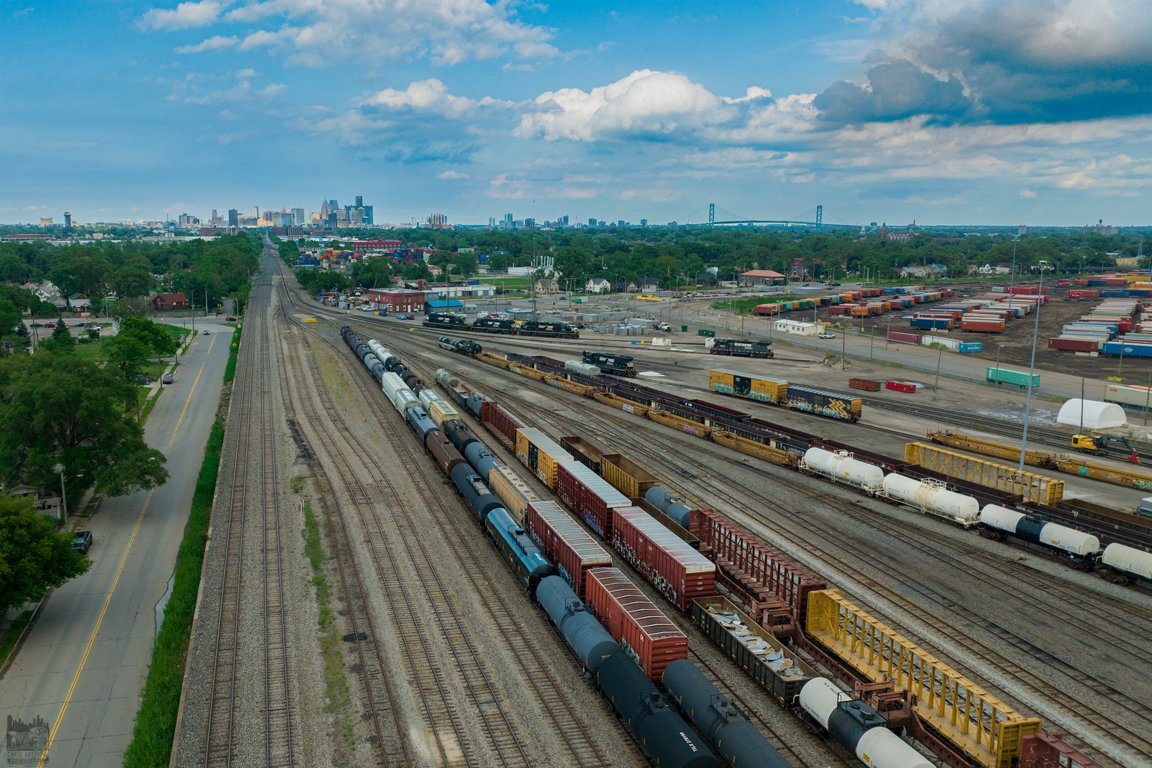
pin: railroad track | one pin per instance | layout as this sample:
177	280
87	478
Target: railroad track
1097	727
504	742
225	741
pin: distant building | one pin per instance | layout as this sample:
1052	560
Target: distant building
45	221
598	285
166	302
761	277
67	220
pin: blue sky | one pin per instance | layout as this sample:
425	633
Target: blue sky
943	111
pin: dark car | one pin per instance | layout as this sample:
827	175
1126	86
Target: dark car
230	319
205	333
82	541
168	378
405	317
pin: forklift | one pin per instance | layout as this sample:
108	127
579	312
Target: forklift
1101	444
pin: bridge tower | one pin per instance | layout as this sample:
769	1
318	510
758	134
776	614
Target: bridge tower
819	217
711	214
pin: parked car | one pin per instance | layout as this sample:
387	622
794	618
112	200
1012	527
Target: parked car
826	335
168	378
405	317
82	541
230	319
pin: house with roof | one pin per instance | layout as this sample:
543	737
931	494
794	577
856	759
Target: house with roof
79	303
597	285
761	277
167	302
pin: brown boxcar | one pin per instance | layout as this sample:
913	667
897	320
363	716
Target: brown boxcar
499	422
511	489
642	629
443	451
589	496
540	454
564	542
678	571
583	451
626	476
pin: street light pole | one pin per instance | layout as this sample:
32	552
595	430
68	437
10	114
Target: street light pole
59	469
939	360
1031	368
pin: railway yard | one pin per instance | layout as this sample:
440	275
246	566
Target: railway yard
428	651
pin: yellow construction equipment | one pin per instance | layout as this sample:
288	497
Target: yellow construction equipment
1101	444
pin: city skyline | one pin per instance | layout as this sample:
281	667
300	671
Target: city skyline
969	112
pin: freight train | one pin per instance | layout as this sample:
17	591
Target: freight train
766	389
463	346
660	731
742	348
550	328
672	567
617	365
1117	562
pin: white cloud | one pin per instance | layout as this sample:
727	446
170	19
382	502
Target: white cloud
183	16
214	43
242	91
1028	194
244	74
446	31
452	176
645	103
431	96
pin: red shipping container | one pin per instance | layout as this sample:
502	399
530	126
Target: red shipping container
642	629
904	336
899	386
499	422
1073	345
675	568
564	542
590	496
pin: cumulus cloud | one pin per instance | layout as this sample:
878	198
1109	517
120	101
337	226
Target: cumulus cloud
446	31
645	104
895	90
430	96
1027	60
214	43
243	91
183	16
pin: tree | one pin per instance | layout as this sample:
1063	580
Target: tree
152	336
57	409
61	341
373	273
34	558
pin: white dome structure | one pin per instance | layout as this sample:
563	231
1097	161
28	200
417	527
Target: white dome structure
1091	414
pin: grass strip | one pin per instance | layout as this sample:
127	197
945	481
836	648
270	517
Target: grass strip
335	683
155	726
233	353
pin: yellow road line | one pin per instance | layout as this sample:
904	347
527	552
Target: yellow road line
95	631
184	410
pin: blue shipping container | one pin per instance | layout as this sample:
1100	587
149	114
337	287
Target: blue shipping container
931	323
971	347
1127	350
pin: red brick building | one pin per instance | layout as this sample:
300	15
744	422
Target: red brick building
166	302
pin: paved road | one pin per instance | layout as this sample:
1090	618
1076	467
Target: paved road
83	666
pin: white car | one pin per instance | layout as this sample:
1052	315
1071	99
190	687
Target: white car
825	335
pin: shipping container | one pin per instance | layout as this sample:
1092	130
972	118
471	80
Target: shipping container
868	385
933	323
590	496
1066	344
762	388
904	337
540	454
1007	376
642	629
679	572
511	489
626	476
1124	348
1131	394
565	543
583	451
970	347
900	386
978	325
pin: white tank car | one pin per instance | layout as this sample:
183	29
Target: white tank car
819	698
379	350
840	465
875	746
1130	561
446	378
933	498
1069	540
880	748
1000	518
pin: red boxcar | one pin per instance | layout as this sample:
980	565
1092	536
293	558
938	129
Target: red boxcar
564	542
675	568
500	422
590	496
640	627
